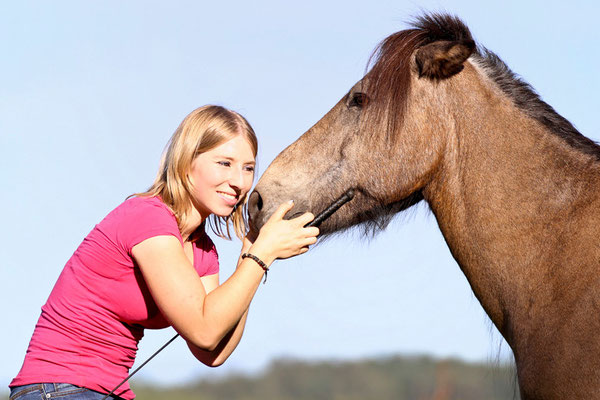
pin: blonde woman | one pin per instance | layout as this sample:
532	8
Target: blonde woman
150	264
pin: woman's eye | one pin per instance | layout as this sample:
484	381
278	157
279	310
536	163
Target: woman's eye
359	100
224	163
249	169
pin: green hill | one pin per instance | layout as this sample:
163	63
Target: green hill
396	378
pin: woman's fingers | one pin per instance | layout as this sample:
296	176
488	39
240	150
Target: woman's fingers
312	231
282	210
304	218
280	238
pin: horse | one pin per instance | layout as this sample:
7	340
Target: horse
514	187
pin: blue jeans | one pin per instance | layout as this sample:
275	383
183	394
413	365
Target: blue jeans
62	391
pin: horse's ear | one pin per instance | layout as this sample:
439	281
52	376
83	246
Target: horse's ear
443	59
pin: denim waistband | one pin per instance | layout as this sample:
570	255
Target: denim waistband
64	391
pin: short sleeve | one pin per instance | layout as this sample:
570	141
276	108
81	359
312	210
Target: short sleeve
138	219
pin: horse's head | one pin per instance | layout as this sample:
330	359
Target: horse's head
384	138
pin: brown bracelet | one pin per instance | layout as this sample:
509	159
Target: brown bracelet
259	262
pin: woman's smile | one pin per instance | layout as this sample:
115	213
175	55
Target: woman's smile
230	199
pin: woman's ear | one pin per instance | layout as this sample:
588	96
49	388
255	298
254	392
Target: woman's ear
443	59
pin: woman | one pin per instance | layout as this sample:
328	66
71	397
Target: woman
150	264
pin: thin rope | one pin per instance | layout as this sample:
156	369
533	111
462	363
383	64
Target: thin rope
140	367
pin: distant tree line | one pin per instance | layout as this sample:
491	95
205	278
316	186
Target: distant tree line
393	378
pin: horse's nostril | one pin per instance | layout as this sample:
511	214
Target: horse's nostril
255	202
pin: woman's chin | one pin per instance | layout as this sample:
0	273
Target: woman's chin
223	212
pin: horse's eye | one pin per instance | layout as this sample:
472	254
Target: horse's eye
359	100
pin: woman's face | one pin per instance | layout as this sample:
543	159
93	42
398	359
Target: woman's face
222	176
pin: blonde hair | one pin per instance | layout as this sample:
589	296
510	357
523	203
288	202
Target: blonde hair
201	130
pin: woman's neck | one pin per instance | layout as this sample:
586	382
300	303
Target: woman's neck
191	224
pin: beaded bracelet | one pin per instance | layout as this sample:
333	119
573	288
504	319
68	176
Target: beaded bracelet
259	262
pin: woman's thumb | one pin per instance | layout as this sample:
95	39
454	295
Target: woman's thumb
282	210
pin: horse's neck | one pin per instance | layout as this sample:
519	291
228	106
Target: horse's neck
509	200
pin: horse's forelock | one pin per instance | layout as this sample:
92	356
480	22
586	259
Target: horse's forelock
388	82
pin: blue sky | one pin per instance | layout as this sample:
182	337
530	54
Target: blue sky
91	91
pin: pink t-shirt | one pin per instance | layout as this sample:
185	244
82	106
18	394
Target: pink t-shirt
89	329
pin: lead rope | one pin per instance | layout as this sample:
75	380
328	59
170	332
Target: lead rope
140	367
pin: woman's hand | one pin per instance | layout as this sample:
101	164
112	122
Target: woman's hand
280	238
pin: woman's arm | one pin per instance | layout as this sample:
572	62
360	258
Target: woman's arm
204	319
222	352
218	356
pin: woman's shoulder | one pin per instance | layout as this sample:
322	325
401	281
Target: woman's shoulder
141	202
138	218
141	207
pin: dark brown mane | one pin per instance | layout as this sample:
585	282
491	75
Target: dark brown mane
527	99
389	80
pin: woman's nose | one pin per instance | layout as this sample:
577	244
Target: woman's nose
236	179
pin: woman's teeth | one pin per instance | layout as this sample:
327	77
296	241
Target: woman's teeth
227	195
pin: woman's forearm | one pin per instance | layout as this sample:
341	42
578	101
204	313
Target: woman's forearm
222	352
224	307
230	341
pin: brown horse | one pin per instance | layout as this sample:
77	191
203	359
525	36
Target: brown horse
514	188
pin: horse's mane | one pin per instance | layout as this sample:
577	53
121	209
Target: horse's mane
389	79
